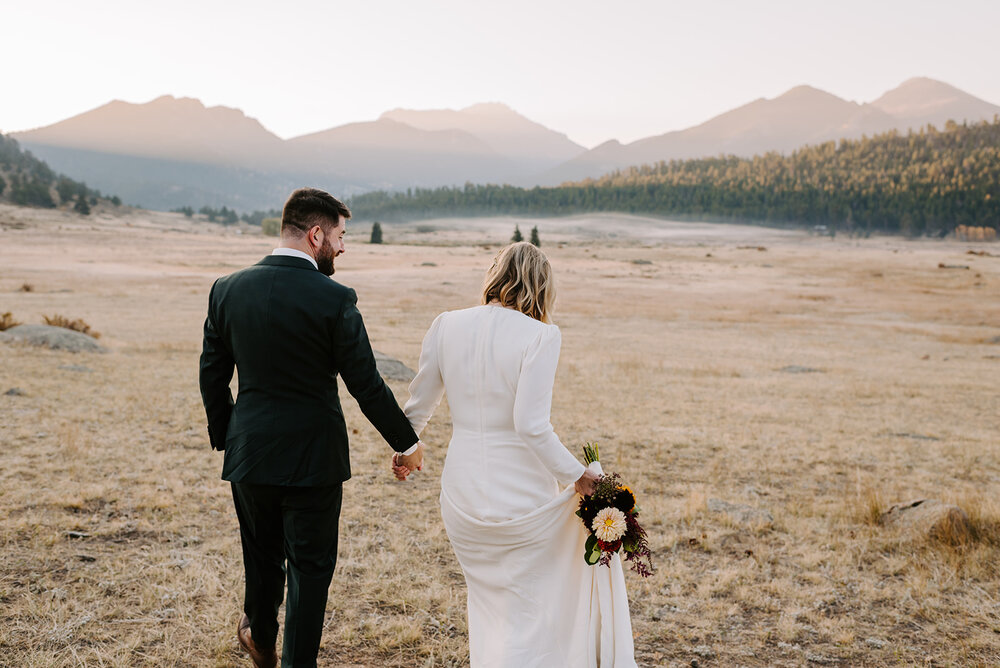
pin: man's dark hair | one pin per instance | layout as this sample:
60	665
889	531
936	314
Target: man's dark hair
311	206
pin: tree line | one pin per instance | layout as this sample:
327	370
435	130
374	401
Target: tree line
920	182
228	216
28	181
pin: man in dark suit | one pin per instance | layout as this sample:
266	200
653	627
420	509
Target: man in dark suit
289	330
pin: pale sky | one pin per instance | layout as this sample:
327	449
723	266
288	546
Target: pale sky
593	70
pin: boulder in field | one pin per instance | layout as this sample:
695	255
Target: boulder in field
56	338
393	369
929	518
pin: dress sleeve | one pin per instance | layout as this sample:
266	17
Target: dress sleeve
533	406
427	387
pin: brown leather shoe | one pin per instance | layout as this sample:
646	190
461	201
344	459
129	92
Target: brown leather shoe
261	658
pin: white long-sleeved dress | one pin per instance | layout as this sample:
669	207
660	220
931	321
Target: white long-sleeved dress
507	498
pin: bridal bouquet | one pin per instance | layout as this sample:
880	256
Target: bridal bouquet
611	517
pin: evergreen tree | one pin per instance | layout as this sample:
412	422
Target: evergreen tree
376	233
66	189
81	205
3	185
534	237
31	193
517	235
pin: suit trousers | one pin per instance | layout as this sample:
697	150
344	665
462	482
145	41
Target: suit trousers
293	530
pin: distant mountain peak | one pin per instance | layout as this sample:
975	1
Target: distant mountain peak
803	89
924	100
924	82
804	92
478	109
171	102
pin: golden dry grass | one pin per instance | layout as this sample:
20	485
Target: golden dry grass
818	380
75	324
7	321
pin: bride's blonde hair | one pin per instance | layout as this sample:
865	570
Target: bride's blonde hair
521	278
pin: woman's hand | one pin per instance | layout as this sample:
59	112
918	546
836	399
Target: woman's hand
398	470
586	485
404	465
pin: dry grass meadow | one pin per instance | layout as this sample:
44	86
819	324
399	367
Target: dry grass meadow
818	380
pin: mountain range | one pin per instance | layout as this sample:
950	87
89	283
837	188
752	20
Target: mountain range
173	152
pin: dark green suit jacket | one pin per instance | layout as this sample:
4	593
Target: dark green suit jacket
289	330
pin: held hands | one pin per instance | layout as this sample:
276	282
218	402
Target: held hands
404	465
585	486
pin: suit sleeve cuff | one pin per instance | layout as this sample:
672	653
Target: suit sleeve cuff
410	450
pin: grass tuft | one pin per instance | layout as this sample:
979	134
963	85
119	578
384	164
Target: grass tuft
7	321
869	507
77	325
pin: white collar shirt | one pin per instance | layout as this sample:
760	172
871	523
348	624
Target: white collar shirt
294	252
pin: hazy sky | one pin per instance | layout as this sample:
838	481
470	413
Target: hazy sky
594	70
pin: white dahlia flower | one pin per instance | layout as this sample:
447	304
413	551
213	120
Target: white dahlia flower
609	525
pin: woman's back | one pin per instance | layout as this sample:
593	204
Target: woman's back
497	366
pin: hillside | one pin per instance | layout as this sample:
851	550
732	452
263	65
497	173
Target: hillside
925	182
27	181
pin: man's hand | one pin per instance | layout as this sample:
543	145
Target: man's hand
404	465
586	484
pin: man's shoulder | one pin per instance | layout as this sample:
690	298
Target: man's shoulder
309	281
329	289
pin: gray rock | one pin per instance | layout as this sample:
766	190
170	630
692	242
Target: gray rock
929	518
741	513
795	368
56	338
995	339
875	642
15	392
821	659
393	369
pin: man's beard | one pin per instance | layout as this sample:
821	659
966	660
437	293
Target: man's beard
324	258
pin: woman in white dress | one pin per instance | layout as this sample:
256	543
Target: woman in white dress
509	486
